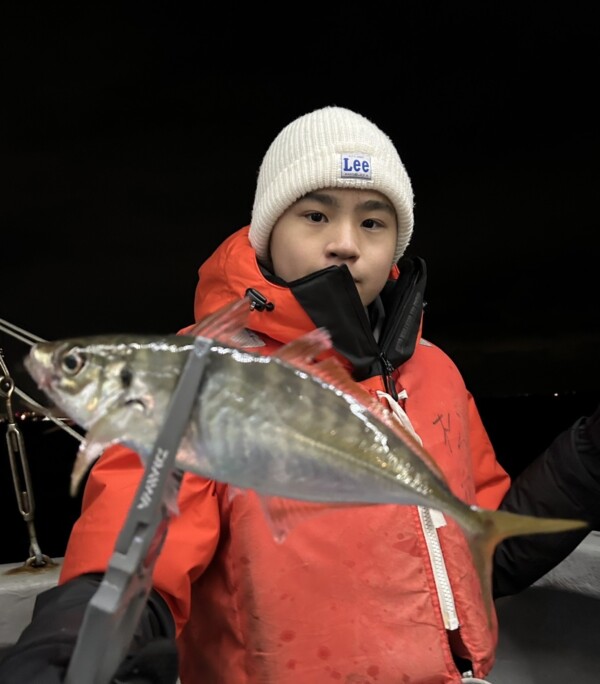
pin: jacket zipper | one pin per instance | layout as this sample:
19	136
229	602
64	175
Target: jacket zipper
430	521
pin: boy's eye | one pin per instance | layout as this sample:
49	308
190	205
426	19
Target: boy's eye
371	223
316	216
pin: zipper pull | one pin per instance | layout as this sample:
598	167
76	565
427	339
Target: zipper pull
388	369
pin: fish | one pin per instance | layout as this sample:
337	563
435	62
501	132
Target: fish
292	426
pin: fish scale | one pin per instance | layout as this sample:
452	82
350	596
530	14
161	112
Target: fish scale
265	437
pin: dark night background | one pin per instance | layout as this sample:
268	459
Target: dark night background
132	135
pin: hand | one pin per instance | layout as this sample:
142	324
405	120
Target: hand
44	649
44	663
156	663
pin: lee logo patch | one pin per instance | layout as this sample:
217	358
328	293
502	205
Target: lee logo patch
355	166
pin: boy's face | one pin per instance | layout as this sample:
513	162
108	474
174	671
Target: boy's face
332	227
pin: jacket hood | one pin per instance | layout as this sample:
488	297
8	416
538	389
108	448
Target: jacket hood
227	275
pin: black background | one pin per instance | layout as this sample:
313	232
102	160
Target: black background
132	134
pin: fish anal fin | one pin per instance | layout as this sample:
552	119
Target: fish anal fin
283	515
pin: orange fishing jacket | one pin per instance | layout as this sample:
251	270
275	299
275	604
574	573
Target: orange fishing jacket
369	594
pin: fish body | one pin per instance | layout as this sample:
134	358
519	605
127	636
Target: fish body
281	425
258	422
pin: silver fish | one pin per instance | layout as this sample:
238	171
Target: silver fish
281	425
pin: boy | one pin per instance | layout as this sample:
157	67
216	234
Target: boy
376	594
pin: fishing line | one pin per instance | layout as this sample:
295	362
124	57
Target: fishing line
18	333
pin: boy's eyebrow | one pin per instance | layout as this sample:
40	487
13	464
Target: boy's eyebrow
321	197
378	205
331	201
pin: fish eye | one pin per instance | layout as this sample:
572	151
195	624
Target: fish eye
73	362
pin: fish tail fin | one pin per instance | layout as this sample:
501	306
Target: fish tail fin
498	525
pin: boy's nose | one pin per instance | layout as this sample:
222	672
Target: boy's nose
343	241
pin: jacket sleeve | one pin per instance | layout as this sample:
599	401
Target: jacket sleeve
563	482
491	480
191	538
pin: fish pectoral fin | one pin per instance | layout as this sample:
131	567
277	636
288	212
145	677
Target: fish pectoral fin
117	426
88	453
283	515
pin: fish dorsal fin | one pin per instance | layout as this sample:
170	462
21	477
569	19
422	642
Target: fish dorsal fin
226	325
302	351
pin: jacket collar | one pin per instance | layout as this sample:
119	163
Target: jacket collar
301	306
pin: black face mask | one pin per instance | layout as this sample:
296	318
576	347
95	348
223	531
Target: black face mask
332	301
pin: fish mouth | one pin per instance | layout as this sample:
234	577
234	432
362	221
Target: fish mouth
136	403
38	371
43	378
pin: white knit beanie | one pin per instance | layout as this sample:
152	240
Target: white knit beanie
331	147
